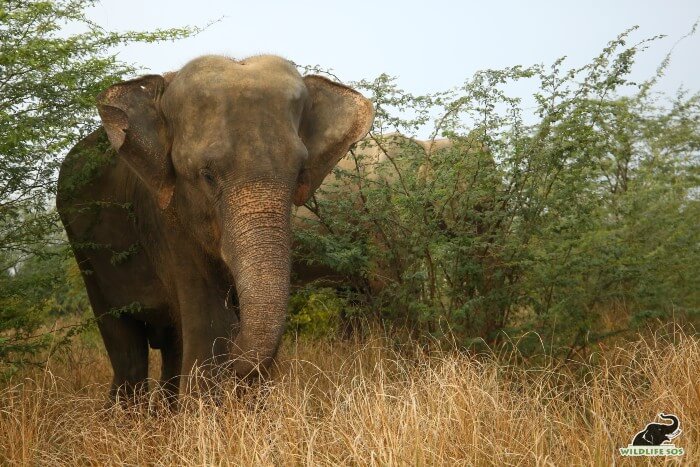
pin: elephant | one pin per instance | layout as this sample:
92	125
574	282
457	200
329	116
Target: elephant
386	160
369	162
381	160
377	159
178	210
655	434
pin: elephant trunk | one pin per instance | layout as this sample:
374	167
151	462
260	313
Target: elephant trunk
674	422
256	247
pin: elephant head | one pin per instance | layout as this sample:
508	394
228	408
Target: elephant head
227	146
654	434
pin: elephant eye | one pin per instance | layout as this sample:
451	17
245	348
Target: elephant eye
207	176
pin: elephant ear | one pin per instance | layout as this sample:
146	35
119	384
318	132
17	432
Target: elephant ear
334	118
132	118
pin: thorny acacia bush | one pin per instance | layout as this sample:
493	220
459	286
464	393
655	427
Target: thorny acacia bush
531	221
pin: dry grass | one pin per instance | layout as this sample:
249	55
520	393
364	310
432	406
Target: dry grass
346	403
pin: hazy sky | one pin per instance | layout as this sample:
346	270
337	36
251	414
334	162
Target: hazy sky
430	46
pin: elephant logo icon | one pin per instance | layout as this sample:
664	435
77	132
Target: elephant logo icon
656	434
655	439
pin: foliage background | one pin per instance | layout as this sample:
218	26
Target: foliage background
562	224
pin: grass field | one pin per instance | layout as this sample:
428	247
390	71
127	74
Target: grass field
368	404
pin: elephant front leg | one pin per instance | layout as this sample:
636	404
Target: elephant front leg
126	343
171	355
207	327
127	347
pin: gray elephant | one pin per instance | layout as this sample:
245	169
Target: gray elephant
381	159
377	159
181	223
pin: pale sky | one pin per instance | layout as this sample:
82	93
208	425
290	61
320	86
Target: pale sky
430	46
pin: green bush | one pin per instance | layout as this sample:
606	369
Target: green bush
315	313
576	220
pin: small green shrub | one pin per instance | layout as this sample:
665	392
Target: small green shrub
315	313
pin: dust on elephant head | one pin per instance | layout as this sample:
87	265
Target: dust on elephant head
221	149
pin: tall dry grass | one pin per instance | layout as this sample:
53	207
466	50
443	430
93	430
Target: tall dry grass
369	404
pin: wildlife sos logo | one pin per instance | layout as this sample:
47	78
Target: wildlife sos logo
655	439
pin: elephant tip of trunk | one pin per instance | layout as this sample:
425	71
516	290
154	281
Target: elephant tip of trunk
251	362
252	369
